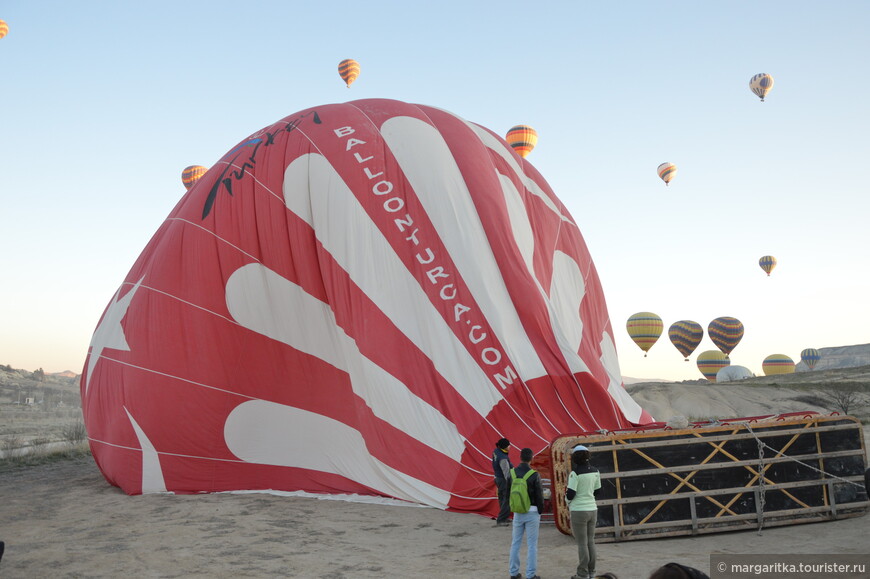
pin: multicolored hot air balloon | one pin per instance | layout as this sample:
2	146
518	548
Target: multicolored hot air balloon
761	84
810	356
191	175
645	329
251	346
767	263
4	28
710	362
523	139
726	333
348	69
777	364
667	171
685	335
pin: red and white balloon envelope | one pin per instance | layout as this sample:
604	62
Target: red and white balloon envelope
360	298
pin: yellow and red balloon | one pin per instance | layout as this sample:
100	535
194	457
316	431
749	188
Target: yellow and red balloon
523	139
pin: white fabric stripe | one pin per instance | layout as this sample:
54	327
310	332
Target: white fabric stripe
266	303
567	289
275	434
334	209
152	474
429	166
630	409
521	225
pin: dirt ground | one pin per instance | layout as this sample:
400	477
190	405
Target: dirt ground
64	520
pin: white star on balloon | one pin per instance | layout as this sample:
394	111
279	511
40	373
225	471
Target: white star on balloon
110	334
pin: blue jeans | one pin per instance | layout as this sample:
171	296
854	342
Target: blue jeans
528	524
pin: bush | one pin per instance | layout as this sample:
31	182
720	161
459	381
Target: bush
75	432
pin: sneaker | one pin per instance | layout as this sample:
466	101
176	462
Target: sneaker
517	576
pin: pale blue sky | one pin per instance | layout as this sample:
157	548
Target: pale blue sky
104	103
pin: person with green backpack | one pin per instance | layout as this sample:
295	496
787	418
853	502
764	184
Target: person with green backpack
526	502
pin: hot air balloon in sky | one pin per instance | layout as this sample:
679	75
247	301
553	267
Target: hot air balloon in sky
4	28
523	139
777	364
810	356
347	315
760	84
191	175
726	333
645	329
348	69
667	171
710	362
767	263
685	335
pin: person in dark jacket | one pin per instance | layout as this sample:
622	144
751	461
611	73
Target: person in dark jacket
501	468
528	523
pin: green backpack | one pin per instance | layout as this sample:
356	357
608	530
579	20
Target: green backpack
519	497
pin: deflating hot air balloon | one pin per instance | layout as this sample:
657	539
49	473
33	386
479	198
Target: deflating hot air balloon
523	139
4	28
350	314
767	263
710	362
777	364
348	69
667	171
761	84
810	357
191	175
685	335
732	374
726	333
645	329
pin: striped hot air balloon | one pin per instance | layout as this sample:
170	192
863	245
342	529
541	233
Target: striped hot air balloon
644	329
191	175
767	263
760	84
810	357
4	28
667	171
523	139
726	333
710	362
345	315
685	335
777	364
348	69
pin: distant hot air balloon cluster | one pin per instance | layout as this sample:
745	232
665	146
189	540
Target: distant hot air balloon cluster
725	332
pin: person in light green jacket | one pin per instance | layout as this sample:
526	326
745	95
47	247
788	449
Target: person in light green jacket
583	481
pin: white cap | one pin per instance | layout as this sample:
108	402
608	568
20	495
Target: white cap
579	447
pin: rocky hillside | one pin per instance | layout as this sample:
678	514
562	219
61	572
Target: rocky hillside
16	386
840	357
